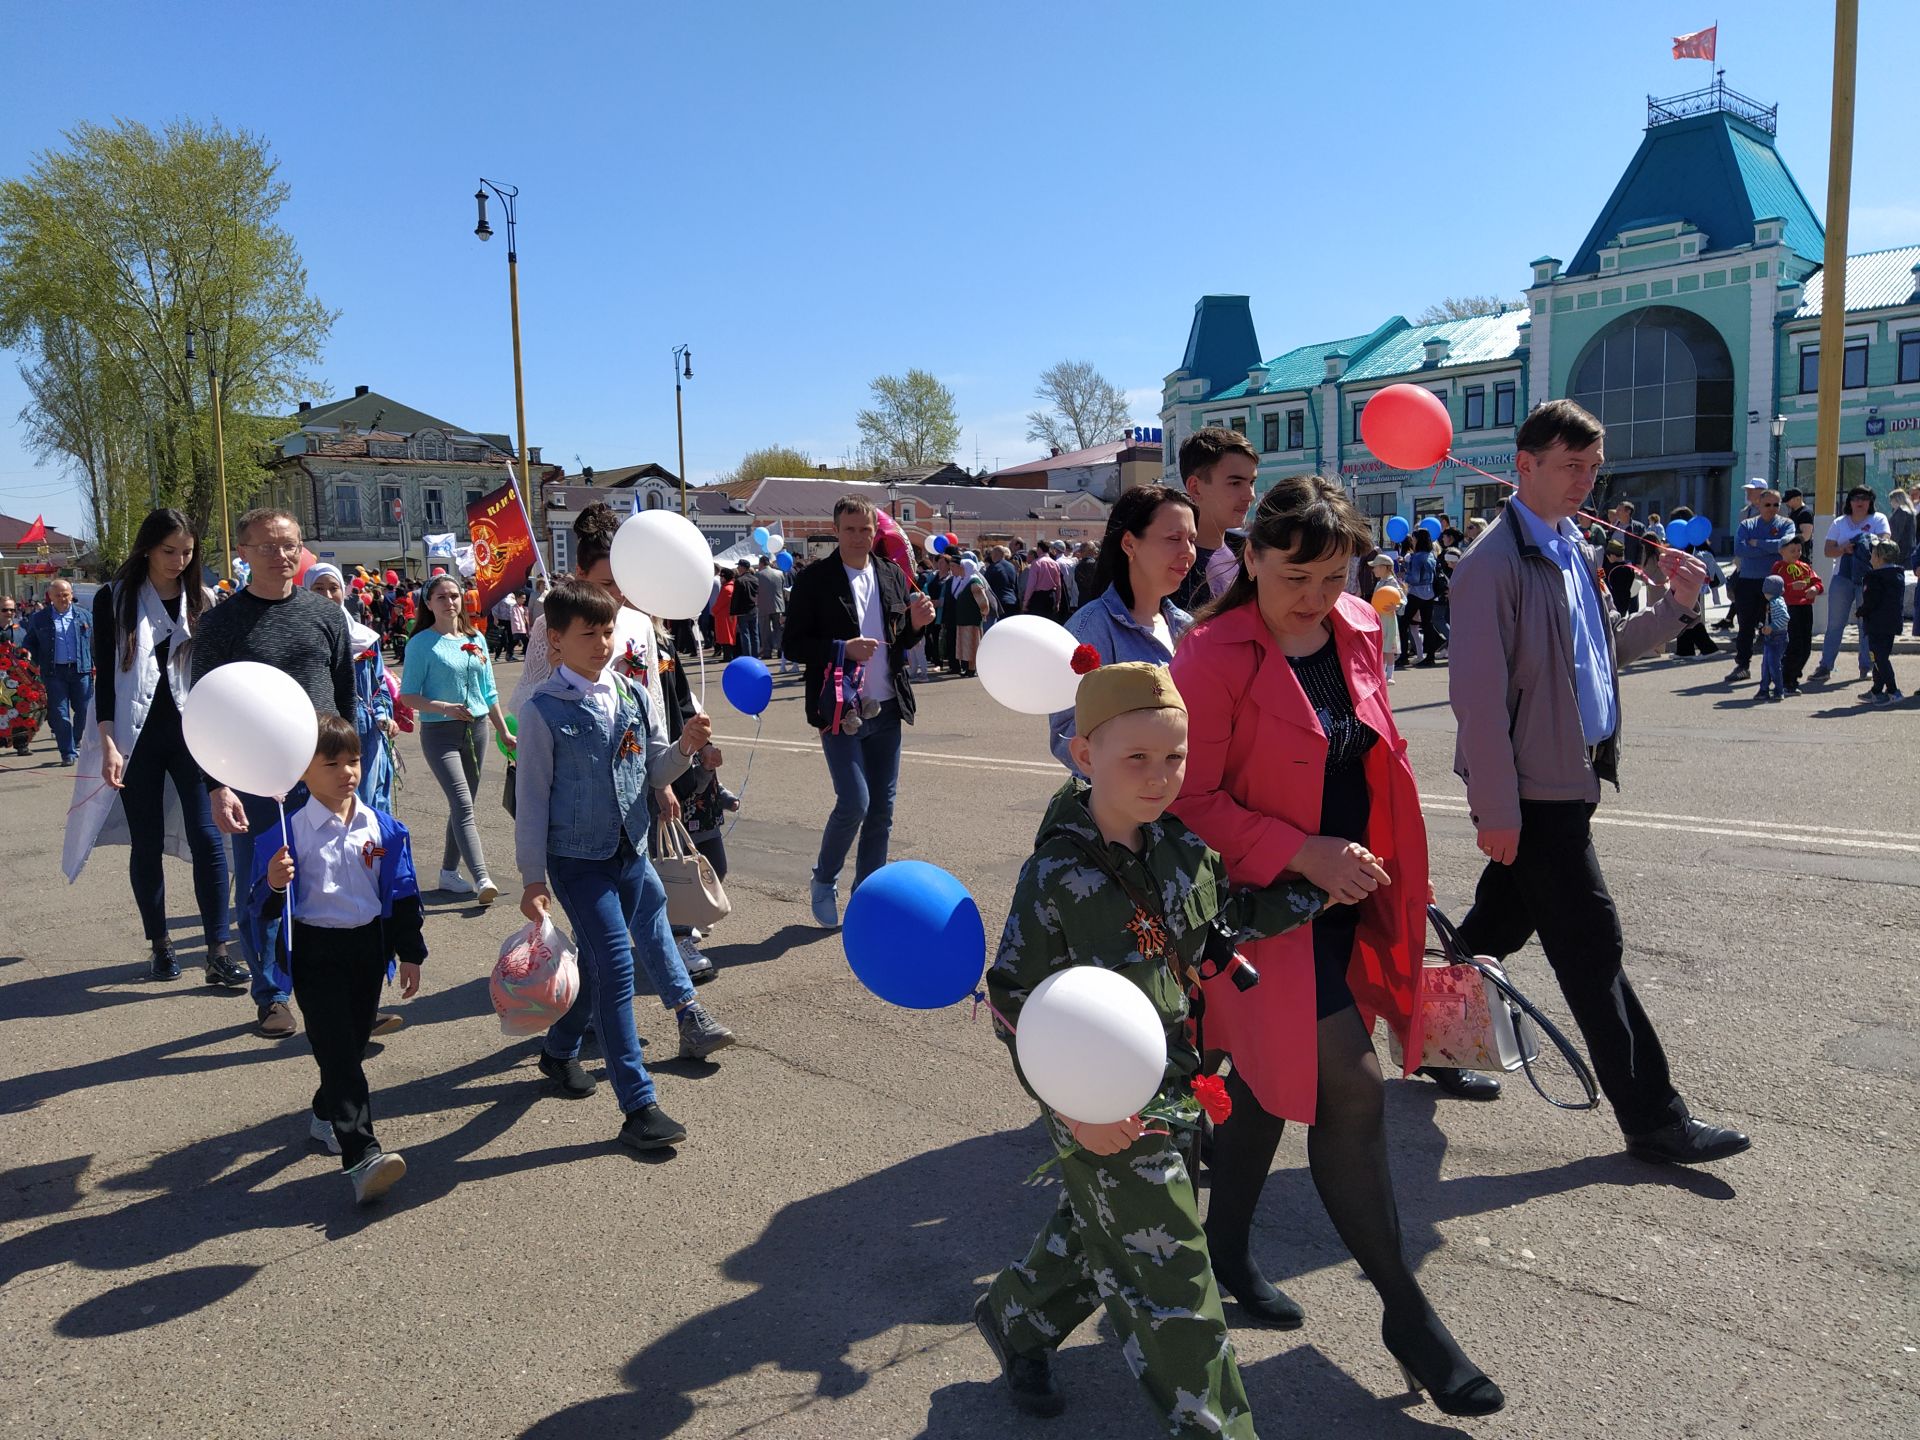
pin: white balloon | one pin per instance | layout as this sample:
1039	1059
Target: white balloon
776	542
1026	663
663	564
1091	1045
251	727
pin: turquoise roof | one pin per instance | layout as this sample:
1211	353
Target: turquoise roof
1474	341
1877	280
1305	366
1715	170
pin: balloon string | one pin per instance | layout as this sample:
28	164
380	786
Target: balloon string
1584	515
979	999
746	777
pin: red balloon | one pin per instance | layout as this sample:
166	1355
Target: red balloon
307	561
392	577
953	540
1407	427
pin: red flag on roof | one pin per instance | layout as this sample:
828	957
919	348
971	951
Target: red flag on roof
1697	46
36	532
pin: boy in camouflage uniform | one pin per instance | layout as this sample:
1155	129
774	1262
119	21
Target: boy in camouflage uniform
1116	883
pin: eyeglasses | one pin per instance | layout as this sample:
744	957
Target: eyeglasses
272	547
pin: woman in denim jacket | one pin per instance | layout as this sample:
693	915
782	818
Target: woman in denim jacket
1144	557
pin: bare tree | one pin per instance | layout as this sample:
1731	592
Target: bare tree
1465	307
1087	409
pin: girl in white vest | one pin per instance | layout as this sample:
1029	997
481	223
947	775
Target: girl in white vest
143	625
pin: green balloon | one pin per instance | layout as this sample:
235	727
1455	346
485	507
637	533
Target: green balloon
513	729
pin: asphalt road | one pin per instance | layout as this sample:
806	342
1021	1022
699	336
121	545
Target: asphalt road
176	1260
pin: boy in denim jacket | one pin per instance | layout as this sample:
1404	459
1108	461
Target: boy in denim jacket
590	748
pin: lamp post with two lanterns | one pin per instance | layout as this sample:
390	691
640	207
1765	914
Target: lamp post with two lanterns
508	195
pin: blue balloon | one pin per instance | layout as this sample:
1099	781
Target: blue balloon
939	544
760	535
784	561
748	684
1699	530
1397	528
1431	524
914	936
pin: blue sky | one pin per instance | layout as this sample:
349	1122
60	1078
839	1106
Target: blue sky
812	195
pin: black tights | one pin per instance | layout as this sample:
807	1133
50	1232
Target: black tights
1346	1154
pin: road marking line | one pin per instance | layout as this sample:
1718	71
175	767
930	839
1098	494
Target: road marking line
1449	808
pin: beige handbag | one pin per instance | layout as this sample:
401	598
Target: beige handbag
694	894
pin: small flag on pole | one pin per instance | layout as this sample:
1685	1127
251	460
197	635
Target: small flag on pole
36	533
1697	46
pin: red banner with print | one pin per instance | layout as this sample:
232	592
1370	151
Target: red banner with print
502	545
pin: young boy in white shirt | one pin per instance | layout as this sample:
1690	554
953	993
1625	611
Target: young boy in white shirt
356	907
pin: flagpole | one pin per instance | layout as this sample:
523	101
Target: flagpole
521	500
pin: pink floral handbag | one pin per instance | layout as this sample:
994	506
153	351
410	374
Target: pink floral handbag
1464	1019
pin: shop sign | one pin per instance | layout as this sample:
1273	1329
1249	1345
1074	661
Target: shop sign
1876	425
1904	422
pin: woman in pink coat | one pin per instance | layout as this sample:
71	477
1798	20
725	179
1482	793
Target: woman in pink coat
1295	766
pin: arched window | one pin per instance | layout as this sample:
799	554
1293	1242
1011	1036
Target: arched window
1661	381
429	445
653	500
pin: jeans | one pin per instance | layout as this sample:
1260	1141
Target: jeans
746	638
159	755
866	771
1555	887
607	903
1749	605
453	750
259	938
1843	596
69	697
1773	654
337	976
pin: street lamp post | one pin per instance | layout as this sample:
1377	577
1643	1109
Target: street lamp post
1779	428
219	445
508	195
893	502
682	368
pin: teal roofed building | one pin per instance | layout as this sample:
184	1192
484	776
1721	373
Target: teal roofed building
1687	321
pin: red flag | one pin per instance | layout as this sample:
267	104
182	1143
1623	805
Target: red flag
36	532
502	545
1697	46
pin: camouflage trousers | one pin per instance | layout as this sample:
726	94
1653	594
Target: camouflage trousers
1127	1235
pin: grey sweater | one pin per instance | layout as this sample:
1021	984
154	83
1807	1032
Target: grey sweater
302	635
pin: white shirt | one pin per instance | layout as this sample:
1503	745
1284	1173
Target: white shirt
1846	529
598	692
876	675
337	867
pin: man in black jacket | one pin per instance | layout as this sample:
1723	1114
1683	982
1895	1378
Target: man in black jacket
745	611
852	614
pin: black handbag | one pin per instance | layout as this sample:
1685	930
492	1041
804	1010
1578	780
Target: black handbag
508	797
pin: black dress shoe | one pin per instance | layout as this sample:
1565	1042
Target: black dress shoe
651	1128
574	1082
224	972
1466	1084
164	966
1262	1300
1687	1142
1029	1374
1432	1360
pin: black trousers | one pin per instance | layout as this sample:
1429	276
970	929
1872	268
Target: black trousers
159	756
1554	887
1749	606
336	983
1694	640
1799	642
1880	646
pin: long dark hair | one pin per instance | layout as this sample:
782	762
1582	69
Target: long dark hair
1132	513
462	625
160	525
1306	516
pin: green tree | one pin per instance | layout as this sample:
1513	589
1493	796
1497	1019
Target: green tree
1084	408
110	248
1466	307
770	460
912	422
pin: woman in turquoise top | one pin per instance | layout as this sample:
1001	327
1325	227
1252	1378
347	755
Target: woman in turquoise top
448	679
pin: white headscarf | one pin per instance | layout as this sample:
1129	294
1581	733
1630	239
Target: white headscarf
364	637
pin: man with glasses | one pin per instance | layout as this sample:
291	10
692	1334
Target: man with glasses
277	623
1756	545
60	640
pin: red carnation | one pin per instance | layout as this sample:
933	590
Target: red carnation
1086	660
1211	1092
471	648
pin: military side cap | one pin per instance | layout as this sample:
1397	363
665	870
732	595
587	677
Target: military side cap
1121	689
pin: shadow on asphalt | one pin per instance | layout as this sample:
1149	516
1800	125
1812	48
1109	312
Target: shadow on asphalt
783	941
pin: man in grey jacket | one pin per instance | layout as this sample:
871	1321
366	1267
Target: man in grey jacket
1535	683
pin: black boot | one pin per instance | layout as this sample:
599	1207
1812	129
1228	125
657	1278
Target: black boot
1029	1373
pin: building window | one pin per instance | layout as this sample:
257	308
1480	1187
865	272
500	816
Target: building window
1853	471
1476	408
1853	367
1809	369
1297	421
474	497
433	507
1377	507
346	507
1481	500
1269	432
1503	398
1910	358
389	497
1359	407
910	511
1239	424
1661	380
654	501
1441	395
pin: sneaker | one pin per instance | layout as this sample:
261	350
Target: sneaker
386	1022
375	1175
699	968
826	905
569	1075
1885	697
223	972
1893	695
1740	672
1821	673
321	1133
1793	689
651	1128
700	1033
1029	1375
488	891
454	883
276	1021
1867	697
163	966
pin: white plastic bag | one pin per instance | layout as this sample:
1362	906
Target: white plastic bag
535	980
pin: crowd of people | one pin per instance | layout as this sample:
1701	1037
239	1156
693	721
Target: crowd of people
1233	777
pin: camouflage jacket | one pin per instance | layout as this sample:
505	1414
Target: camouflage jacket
1068	910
